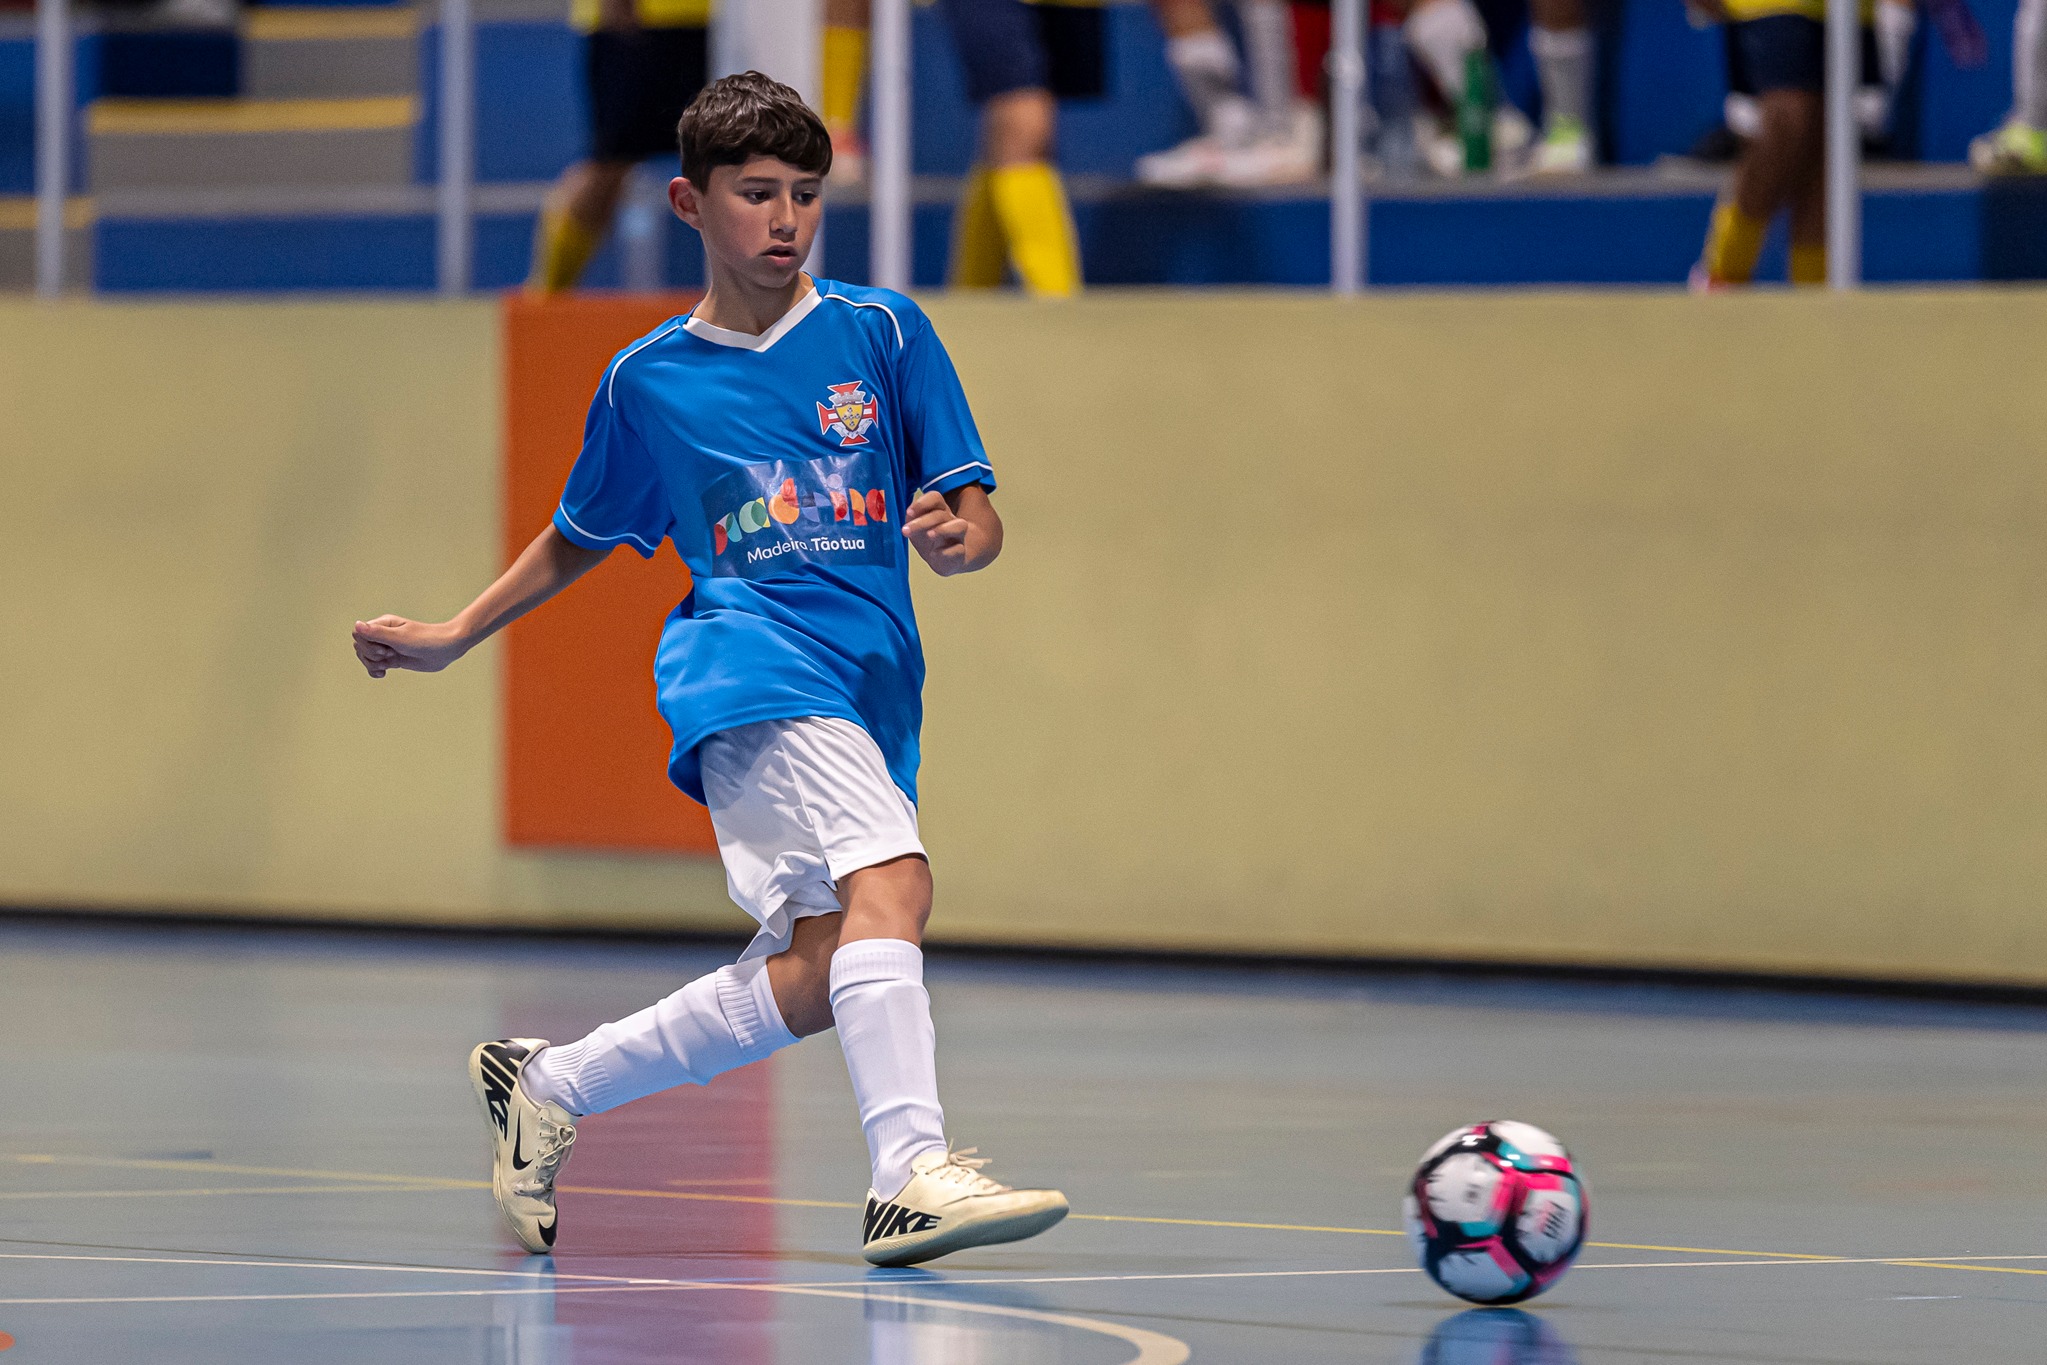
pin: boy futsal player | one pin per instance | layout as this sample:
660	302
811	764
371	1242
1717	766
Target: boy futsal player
795	438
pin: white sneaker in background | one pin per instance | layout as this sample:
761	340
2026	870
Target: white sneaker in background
1197	161
1286	156
528	1142
1565	149
1442	151
1200	160
949	1206
1513	136
2013	148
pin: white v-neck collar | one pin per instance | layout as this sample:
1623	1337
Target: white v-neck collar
747	341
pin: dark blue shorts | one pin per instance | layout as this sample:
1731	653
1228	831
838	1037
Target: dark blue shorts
640	82
1007	45
1783	52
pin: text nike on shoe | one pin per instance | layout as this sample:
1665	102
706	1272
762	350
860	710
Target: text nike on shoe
949	1206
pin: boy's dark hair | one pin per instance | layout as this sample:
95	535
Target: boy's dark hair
738	118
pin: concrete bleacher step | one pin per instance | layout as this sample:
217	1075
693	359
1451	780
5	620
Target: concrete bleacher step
305	52
18	242
185	144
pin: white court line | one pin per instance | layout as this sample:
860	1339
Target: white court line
224	1190
343	1265
602	1284
1153	1348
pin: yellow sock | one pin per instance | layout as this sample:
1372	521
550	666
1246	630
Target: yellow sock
1732	244
561	248
845	65
1809	263
978	260
1030	203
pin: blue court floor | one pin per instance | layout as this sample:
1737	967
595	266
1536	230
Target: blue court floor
252	1146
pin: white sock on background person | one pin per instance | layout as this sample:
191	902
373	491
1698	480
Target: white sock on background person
884	1018
1206	66
1441	34
717	1023
1563	64
2029	63
1269	46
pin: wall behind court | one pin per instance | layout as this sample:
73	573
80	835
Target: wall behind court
204	498
1631	629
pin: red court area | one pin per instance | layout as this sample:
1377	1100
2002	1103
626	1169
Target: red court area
585	751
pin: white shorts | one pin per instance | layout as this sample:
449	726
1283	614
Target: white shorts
798	804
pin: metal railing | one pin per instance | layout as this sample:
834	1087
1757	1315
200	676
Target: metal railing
890	196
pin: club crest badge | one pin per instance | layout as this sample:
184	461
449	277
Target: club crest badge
849	415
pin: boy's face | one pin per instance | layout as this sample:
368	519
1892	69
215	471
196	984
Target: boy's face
757	219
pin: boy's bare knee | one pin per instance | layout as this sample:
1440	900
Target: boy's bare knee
887	900
801	974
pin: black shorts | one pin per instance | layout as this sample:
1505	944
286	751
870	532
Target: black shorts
640	82
1007	45
1782	52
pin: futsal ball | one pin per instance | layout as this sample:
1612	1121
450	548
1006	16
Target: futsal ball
1496	1212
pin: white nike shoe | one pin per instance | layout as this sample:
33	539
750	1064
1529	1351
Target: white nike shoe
949	1206
528	1142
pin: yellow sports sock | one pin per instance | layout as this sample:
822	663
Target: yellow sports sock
1732	244
562	246
978	260
1030	203
845	65
1809	263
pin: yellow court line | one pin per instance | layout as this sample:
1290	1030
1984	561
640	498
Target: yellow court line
1955	1265
315	23
198	116
18	212
424	1183
704	1198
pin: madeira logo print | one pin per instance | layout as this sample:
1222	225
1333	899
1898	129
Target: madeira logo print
849	416
781	514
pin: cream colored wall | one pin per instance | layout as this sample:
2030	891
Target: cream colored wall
201	499
1589	628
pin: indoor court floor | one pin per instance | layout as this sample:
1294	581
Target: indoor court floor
260	1146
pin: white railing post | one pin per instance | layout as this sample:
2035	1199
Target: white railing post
1346	186
53	141
888	192
1844	145
456	220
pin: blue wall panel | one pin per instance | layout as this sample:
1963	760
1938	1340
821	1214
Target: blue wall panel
264	254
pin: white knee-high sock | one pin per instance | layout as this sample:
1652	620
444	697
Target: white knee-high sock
713	1025
1269	43
1563	63
2029	62
1441	33
1206	66
884	1019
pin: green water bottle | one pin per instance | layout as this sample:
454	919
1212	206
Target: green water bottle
1475	111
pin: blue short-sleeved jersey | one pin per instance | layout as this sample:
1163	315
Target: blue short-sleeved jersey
780	466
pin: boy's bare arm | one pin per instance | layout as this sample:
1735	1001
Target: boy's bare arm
544	568
956	532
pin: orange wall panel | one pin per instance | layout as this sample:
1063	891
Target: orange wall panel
585	751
